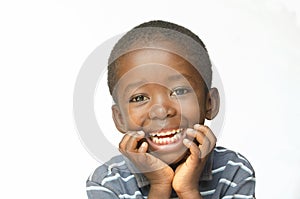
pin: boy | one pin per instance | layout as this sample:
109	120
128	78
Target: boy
159	76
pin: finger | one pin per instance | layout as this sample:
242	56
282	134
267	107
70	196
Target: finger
200	137
205	138
198	153
124	142
205	151
207	132
195	156
143	148
132	143
135	133
209	140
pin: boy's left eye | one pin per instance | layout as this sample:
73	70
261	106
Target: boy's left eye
179	91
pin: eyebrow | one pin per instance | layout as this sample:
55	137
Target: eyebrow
134	85
170	78
179	77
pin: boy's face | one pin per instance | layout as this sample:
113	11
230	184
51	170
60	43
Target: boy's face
161	94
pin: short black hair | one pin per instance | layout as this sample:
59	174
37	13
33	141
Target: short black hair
151	31
171	26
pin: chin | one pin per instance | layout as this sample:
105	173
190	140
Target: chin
173	157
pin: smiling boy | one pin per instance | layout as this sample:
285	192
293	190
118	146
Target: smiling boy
159	76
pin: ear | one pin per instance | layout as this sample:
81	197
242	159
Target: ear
212	103
118	118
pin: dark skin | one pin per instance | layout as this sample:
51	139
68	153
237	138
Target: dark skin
158	93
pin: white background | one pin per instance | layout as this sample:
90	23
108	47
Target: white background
254	44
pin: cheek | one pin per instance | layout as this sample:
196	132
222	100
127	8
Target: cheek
135	118
190	108
193	110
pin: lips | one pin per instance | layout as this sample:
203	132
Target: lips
166	136
166	141
167	144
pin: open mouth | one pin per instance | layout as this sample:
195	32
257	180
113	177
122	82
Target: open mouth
166	136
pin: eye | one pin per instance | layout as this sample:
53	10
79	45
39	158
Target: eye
138	98
180	91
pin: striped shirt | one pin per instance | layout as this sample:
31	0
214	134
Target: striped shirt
227	175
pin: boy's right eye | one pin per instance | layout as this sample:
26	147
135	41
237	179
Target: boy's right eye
138	98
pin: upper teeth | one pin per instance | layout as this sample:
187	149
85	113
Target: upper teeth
165	133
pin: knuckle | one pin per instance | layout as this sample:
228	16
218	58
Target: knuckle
122	146
206	141
206	128
214	141
122	151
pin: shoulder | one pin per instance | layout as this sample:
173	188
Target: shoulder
232	173
113	177
113	170
226	157
112	167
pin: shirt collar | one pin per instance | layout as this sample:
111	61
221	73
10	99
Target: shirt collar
143	181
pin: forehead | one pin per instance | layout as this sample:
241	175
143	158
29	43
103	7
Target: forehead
152	62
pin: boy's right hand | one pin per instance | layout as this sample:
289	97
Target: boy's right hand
159	174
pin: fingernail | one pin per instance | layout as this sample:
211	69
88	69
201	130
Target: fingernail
144	144
189	130
197	126
187	142
140	132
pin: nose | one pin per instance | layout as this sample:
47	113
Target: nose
162	111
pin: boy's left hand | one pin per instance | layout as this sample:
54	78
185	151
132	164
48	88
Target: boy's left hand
187	175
